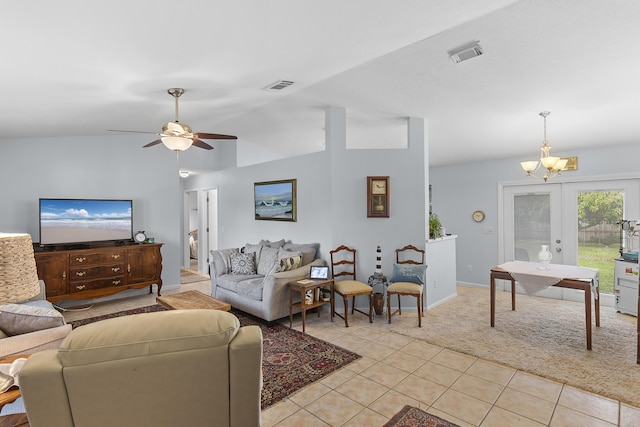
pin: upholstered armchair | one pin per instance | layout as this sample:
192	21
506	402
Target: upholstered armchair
171	368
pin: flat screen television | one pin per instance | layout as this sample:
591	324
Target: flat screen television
82	221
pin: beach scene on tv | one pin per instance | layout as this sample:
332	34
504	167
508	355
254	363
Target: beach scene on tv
274	200
75	221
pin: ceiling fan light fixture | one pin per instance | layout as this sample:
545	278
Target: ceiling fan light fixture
176	143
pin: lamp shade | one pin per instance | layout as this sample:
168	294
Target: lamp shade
176	143
18	273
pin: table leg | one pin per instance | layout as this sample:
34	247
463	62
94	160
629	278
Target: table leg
597	304
513	295
492	285
304	309
290	307
587	309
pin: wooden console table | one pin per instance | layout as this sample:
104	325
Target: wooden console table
500	273
310	285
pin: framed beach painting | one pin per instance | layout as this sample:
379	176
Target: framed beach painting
275	200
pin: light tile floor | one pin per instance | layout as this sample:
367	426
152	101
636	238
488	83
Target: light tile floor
396	370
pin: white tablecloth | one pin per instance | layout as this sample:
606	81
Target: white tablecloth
534	278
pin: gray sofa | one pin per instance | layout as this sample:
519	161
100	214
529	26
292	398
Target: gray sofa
263	291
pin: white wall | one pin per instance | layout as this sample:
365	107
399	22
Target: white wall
458	190
331	198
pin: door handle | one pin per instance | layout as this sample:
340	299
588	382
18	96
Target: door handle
558	249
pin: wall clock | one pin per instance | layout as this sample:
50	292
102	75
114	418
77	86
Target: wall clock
377	197
478	216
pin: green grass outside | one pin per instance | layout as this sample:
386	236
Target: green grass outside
600	257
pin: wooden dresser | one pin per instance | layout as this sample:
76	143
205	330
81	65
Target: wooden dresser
99	271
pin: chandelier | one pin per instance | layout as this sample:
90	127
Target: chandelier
551	166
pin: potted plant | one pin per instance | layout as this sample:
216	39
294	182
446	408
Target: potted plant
435	226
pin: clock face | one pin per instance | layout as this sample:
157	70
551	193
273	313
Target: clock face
478	216
378	187
140	237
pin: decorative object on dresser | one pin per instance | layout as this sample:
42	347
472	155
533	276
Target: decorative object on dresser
377	197
275	200
100	270
408	279
343	264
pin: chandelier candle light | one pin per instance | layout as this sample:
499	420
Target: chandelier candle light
552	165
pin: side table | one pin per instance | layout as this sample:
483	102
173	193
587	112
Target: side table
378	297
310	285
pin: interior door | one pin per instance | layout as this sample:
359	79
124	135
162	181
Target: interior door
532	217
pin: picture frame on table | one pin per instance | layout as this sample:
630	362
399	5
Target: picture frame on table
275	200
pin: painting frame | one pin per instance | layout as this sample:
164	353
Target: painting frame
275	200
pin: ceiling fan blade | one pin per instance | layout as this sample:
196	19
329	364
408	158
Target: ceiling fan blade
152	143
214	136
201	144
129	131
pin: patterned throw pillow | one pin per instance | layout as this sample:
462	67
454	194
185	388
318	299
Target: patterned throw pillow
243	263
290	263
408	273
16	319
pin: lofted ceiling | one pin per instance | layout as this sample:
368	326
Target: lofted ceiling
74	68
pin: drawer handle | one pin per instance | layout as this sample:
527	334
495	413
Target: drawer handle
116	282
80	273
64	275
115	256
81	259
128	268
80	287
115	269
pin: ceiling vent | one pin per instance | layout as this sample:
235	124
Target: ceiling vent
278	85
465	52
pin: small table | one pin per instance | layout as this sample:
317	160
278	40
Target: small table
193	299
500	273
310	285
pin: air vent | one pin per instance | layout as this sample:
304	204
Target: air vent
278	85
465	52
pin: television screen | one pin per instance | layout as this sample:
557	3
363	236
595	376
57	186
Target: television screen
84	220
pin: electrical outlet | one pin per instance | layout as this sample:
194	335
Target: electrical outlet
469	268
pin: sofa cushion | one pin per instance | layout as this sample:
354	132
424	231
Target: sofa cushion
278	244
16	319
268	257
221	258
408	273
308	250
251	288
243	263
289	263
249	248
230	281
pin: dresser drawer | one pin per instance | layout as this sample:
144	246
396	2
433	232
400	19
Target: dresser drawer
628	270
103	282
96	271
97	257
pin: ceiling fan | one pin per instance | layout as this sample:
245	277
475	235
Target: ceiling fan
178	136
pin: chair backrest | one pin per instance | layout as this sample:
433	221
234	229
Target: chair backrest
409	255
343	262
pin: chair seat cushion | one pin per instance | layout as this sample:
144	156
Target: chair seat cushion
405	288
346	287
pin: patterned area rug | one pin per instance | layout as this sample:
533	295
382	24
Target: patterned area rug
410	416
291	360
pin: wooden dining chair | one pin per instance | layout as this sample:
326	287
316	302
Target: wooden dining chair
343	264
408	279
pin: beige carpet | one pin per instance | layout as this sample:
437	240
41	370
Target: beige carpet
543	336
187	276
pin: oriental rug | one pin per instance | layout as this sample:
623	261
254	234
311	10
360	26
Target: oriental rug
291	360
410	416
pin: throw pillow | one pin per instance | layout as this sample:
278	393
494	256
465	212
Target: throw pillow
408	273
290	263
257	249
243	263
278	244
16	319
308	250
267	260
